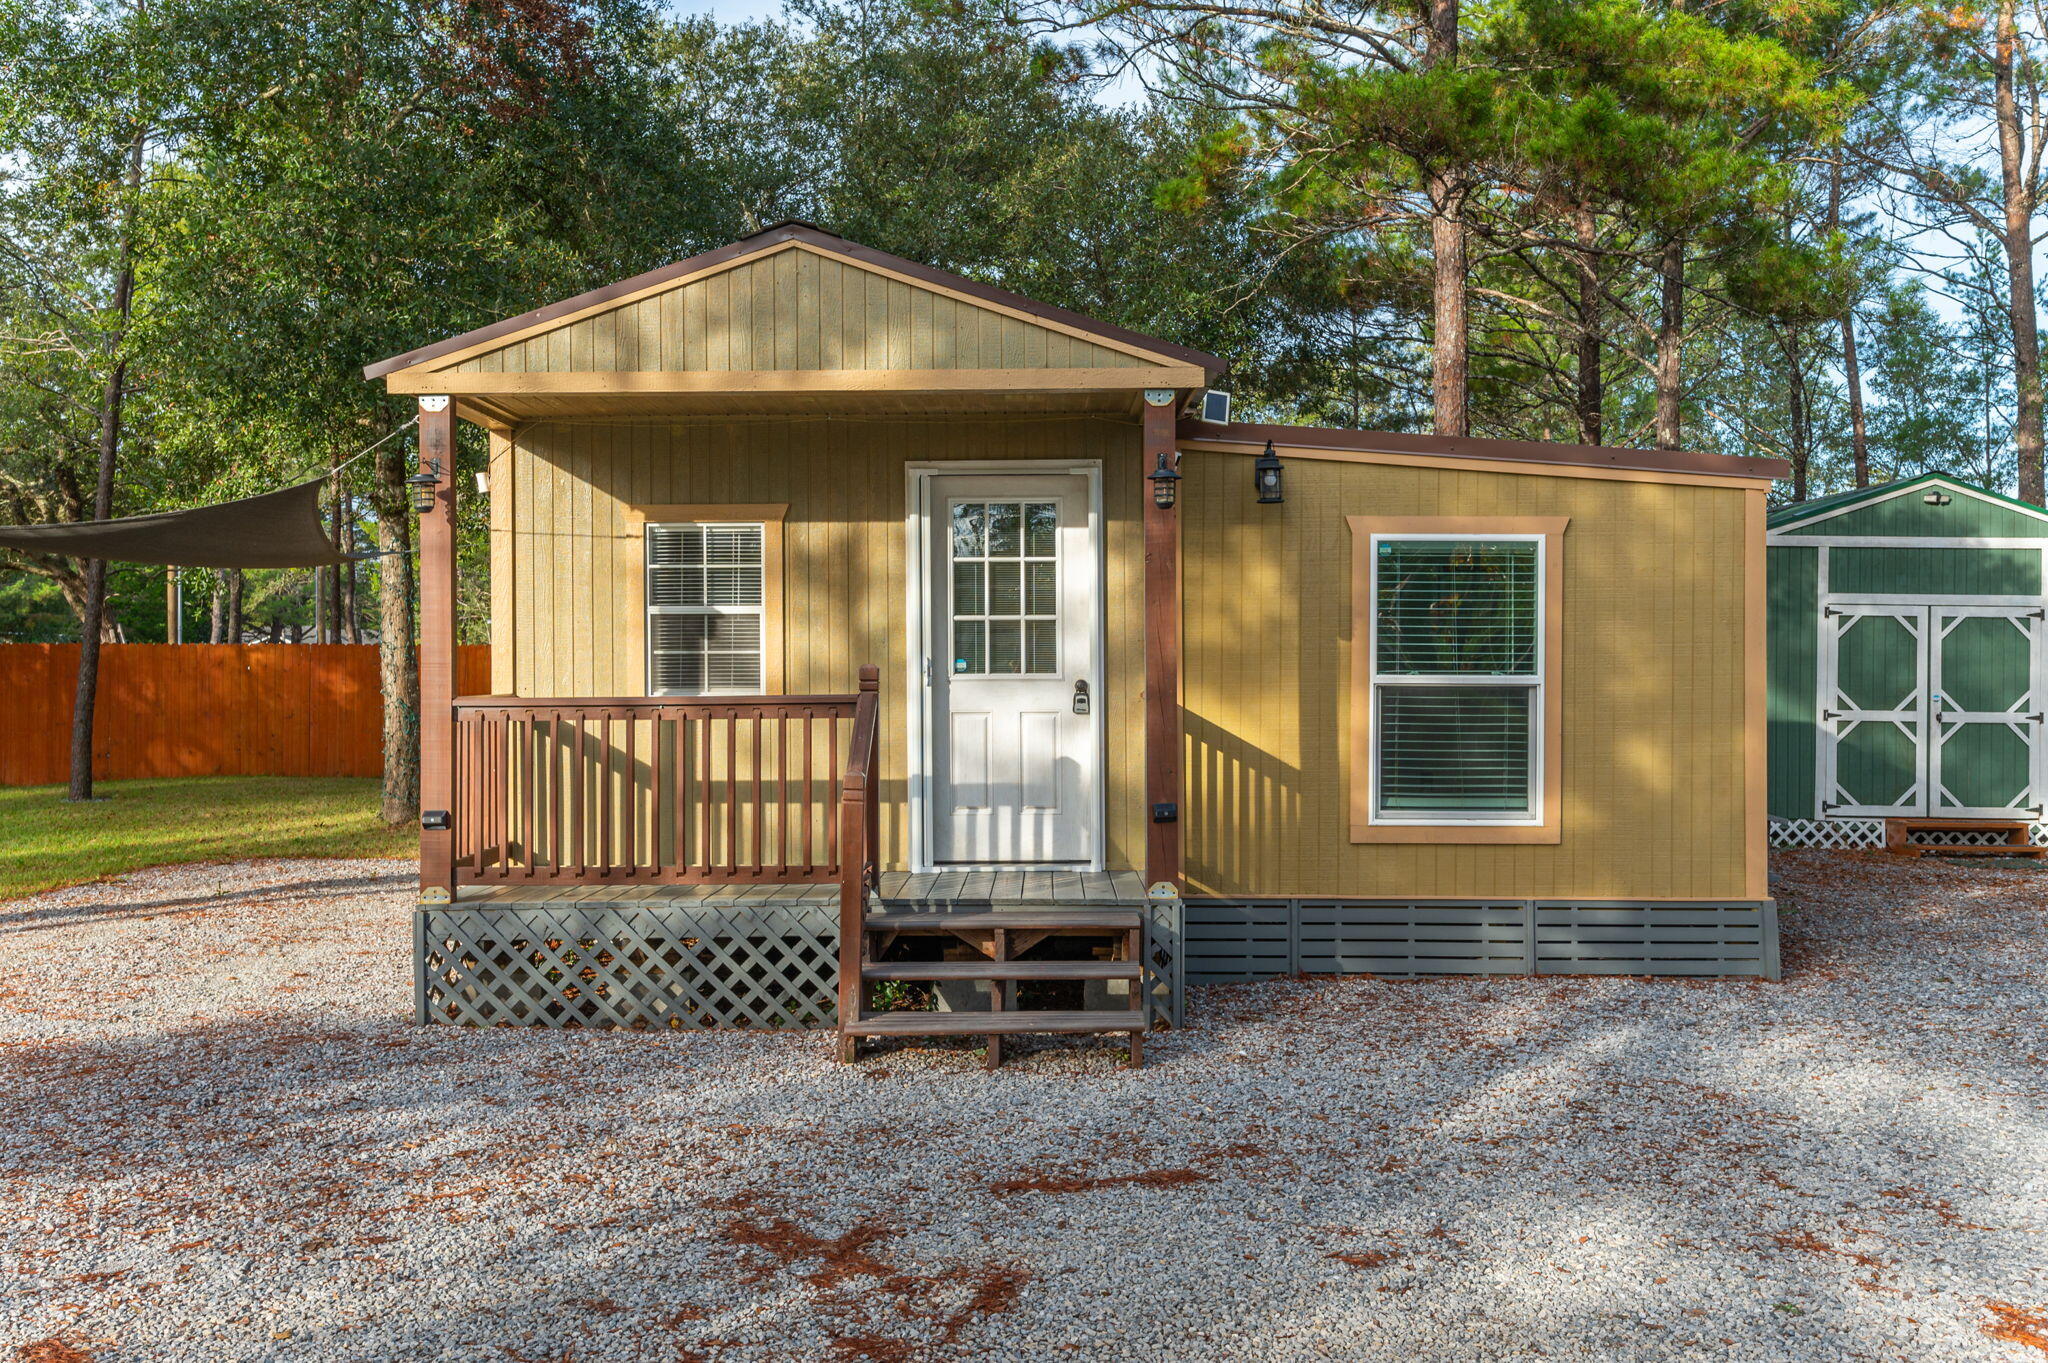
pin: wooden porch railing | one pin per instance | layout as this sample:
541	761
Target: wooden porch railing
637	791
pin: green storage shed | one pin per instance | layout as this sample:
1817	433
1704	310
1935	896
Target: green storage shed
1905	657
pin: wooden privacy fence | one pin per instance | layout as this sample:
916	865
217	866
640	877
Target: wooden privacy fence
204	710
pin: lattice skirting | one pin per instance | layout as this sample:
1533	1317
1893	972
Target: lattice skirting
667	965
1868	834
656	965
1260	939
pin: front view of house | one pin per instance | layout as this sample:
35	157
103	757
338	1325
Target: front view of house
1154	700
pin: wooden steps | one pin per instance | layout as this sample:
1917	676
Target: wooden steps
1903	837
1001	970
1040	1021
1065	920
996	939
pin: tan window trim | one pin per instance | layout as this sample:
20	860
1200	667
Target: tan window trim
1363	528
771	516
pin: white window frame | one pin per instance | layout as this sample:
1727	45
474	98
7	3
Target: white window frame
759	610
1537	685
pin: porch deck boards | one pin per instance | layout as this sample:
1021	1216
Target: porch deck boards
902	891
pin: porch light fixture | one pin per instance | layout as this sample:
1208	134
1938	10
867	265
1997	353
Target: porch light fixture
423	485
1936	497
1164	480
1266	471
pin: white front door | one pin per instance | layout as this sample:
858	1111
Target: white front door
1013	596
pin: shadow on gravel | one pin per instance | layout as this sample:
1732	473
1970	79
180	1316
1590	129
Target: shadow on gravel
43	915
1605	1168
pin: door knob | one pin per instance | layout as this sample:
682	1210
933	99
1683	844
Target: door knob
1081	697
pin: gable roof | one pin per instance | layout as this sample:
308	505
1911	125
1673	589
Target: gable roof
1802	514
511	331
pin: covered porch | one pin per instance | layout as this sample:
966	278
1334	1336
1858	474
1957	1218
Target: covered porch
596	777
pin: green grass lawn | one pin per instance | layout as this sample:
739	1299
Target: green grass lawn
46	841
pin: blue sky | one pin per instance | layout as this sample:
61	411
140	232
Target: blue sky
729	11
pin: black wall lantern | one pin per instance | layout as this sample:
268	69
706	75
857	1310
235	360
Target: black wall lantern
1165	481
1266	471
423	485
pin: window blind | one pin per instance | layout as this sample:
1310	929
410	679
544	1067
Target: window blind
1457	662
705	588
1454	749
1449	607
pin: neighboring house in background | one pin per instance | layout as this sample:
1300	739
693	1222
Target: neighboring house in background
1150	704
1906	660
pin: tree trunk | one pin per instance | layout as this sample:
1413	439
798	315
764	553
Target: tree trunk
1670	341
235	621
1852	372
344	541
1450	307
217	612
1802	436
2018	242
94	623
1449	347
397	652
1591	400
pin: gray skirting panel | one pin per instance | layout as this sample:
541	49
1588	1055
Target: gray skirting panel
1226	940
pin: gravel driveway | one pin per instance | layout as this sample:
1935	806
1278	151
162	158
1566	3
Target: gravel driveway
222	1140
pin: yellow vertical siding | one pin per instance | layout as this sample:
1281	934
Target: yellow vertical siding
566	560
1652	676
797	310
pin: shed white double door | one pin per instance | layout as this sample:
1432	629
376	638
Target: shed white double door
1011	609
1931	710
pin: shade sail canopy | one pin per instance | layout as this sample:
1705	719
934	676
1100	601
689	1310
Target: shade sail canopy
273	530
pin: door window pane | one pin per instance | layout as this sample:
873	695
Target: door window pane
1003	533
1005	647
1003	594
970	646
968	520
1005	606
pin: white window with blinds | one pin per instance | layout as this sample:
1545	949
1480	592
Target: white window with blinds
706	605
1457	655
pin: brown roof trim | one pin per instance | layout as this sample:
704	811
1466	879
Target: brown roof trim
823	241
1471	447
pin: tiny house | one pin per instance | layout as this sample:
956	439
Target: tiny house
1906	651
855	624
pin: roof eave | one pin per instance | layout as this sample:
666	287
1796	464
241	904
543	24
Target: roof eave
1691	462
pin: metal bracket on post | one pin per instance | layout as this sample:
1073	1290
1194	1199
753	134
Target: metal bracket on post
434	402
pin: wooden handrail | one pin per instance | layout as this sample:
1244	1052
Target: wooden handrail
859	841
664	789
843	704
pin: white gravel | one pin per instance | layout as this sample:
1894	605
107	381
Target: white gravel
223	1140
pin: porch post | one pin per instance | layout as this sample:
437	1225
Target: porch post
1162	650
437	654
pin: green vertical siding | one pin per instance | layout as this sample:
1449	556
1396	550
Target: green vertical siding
1792	662
1936	571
